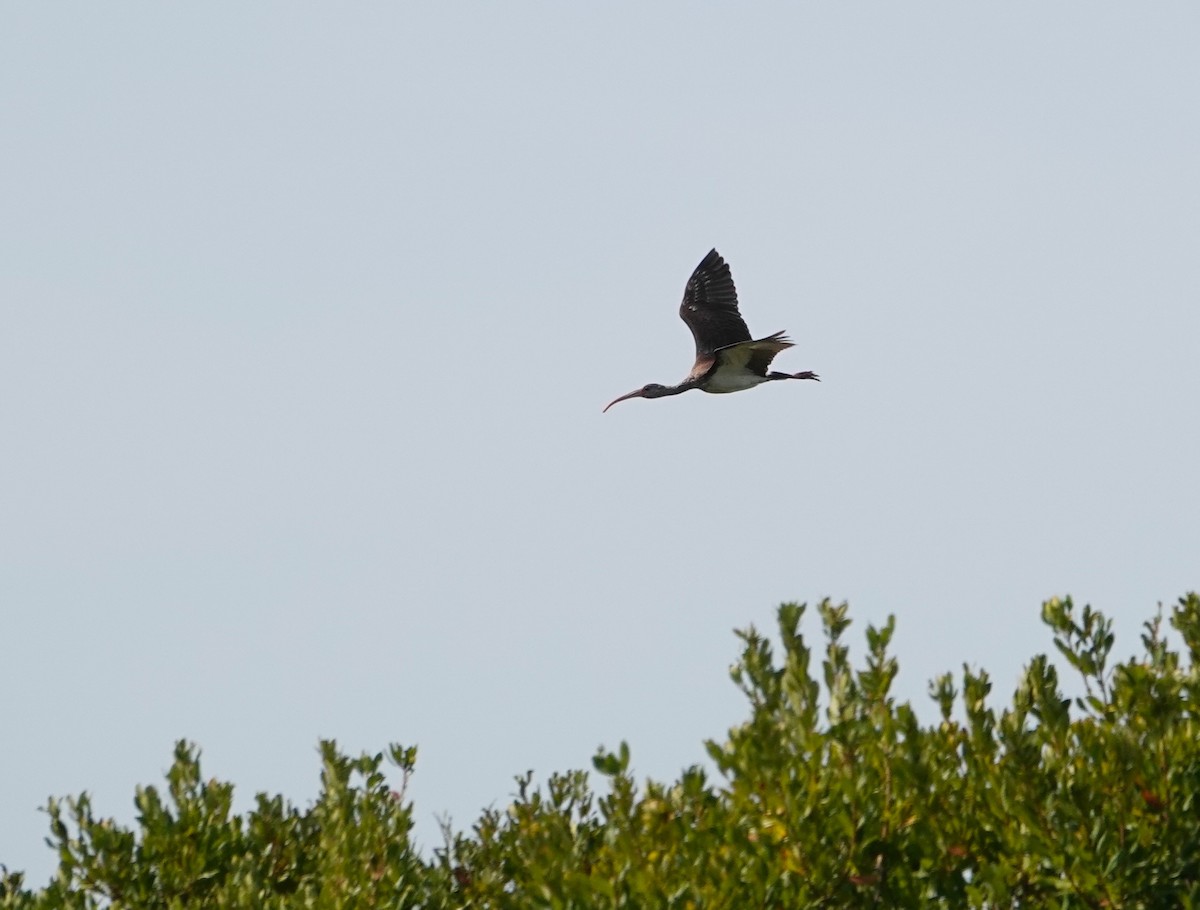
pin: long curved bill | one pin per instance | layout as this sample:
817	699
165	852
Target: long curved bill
636	393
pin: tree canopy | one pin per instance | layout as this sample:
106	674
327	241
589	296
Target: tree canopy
830	794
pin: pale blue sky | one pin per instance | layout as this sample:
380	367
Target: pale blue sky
310	311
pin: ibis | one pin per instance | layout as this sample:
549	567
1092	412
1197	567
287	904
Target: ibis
727	358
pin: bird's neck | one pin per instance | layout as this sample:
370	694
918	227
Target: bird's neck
670	390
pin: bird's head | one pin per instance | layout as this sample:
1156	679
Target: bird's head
650	390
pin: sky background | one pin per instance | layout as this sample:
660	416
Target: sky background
310	310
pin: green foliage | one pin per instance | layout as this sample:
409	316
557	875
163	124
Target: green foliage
831	795
351	849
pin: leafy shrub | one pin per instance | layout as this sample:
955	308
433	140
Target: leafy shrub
832	795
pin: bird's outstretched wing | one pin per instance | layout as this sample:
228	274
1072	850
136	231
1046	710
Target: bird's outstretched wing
754	356
710	306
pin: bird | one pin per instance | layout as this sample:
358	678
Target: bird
727	358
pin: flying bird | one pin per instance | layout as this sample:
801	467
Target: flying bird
727	359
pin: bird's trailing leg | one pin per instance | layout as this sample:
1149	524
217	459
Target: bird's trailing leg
807	374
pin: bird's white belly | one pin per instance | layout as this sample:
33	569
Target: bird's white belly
733	381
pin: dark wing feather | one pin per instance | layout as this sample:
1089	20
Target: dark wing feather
710	306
